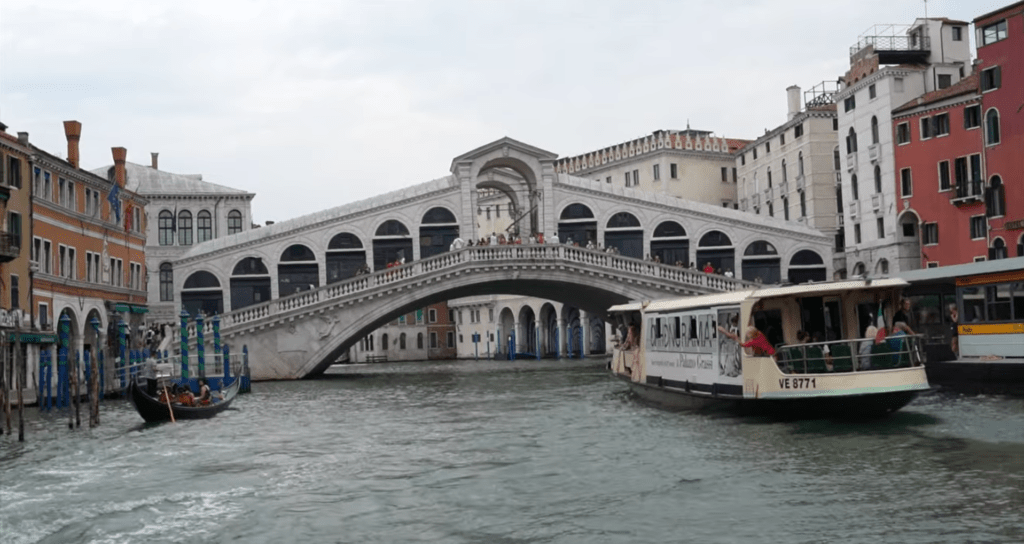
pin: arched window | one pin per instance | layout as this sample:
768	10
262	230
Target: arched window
623	220
401	341
439	215
250	283
419	340
715	248
297	252
784	176
761	263
184	228
202	294
874	129
715	238
805	266
853	187
882	268
250	266
851	142
166	282
392	227
992	135
998	250
345	240
669	243
202	280
996	198
165	223
859	269
234	222
576	211
800	163
384	342
769	174
835	159
204	226
878	179
668	229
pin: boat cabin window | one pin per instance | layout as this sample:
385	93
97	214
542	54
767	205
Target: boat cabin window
821	317
769	322
992	303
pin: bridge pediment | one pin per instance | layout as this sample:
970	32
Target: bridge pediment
503	147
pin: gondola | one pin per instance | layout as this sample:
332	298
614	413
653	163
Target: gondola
153	410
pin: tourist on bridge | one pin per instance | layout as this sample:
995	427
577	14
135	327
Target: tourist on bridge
494	239
540	238
457	244
708	269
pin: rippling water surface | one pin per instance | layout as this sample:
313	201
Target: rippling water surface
499	452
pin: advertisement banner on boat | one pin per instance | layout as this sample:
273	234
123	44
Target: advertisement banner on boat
686	347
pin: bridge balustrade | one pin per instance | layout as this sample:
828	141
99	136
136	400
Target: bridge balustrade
482	254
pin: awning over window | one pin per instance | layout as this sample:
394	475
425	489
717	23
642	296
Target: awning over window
32	338
136	309
121	307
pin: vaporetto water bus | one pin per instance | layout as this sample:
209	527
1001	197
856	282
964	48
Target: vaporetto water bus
813	350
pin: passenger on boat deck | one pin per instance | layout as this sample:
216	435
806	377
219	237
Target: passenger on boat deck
756	341
865	347
954	330
632	337
903	314
204	392
899	329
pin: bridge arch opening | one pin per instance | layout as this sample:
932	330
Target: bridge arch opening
506	324
517	179
345	255
761	263
526	337
438	229
250	283
595	335
391	243
577	223
549	330
625	233
716	247
297	271
670	243
202	293
807	265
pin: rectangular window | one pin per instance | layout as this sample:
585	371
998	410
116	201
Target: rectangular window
958	33
944	184
940	124
856	233
657	172
767	147
850	103
880	223
960	171
782	139
871	91
71	196
433	340
903	133
926	128
451	339
897	84
71	264
627	179
906	183
945	80
991	79
975	167
44	316
47	187
754	153
972	117
785	208
993	33
490	315
608	179
636	177
835	123
743	159
979	229
432	316
673	171
930	234
15	292
37	181
47	263
62	196
734	175
14	226
451	316
725	173
14	172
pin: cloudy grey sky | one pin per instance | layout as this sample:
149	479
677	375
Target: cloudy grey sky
312	104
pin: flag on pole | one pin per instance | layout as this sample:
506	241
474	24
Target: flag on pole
880	323
115	202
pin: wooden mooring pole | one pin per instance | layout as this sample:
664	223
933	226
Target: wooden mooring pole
4	381
20	383
94	376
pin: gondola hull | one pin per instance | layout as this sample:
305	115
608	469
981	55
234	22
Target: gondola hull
154	411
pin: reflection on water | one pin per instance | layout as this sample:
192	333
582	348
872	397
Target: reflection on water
524	451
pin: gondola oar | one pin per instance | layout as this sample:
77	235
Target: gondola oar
167	397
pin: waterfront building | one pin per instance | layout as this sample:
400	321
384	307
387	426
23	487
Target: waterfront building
16	204
940	175
890	65
87	246
689	164
1000	42
427	333
792	172
185	211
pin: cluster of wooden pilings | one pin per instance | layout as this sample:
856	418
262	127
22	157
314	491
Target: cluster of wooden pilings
75	369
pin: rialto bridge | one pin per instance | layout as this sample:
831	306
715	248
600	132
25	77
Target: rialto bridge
289	290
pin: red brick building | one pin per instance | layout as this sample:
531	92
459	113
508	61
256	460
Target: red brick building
1000	42
940	174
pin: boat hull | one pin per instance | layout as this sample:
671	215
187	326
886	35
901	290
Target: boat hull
976	376
842	406
154	411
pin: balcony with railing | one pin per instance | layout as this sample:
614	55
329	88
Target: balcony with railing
10	247
968	192
878	202
851	162
801	183
854	209
875	153
894	44
821	95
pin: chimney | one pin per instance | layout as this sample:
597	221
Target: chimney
73	131
153	162
120	175
793	98
23	138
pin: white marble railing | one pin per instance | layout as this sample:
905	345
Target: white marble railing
482	254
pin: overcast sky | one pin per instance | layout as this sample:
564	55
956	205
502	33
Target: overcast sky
315	104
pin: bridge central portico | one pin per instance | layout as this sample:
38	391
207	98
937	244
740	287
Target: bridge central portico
260	271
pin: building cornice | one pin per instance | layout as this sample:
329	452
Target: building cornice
936	106
888	71
799	119
85	219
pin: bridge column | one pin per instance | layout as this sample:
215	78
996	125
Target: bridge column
584	334
520	336
548	221
562	339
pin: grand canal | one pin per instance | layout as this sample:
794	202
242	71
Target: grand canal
508	452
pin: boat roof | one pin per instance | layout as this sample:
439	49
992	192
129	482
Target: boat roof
926	275
737	297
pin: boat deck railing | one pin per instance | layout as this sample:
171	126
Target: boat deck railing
855	355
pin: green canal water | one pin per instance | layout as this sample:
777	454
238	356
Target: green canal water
513	452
